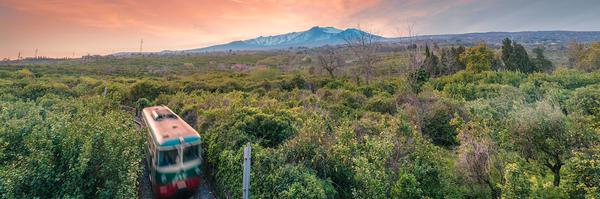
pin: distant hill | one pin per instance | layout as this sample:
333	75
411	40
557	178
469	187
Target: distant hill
526	37
314	37
321	36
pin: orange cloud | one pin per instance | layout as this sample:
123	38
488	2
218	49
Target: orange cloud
174	18
61	27
176	24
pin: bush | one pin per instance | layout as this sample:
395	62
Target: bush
516	184
437	123
584	173
36	90
146	89
75	149
24	73
407	187
382	104
586	100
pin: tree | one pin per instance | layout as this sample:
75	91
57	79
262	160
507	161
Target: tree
590	61
521	59
507	50
478	156
515	57
540	61
516	184
450	60
330	60
417	78
478	58
544	134
575	53
431	63
364	47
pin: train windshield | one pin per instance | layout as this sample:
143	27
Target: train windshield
191	153
167	158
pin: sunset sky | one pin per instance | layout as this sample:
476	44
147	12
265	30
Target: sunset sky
59	28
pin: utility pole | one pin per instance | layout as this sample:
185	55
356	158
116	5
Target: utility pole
141	45
246	177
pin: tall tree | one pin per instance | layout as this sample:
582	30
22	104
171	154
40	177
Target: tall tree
431	63
521	59
515	57
506	51
329	59
540	61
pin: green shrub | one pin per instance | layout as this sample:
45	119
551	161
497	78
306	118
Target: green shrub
516	183
586	100
437	123
382	104
76	148
146	89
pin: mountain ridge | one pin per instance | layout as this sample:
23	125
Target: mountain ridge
313	37
321	36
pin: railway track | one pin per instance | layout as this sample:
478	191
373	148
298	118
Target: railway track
145	188
205	191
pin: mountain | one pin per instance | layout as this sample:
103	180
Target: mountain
321	36
314	37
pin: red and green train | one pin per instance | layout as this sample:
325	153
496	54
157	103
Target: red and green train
174	154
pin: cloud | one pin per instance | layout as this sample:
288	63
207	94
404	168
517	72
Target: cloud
166	18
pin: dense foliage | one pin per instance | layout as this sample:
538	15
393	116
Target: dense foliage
471	130
67	147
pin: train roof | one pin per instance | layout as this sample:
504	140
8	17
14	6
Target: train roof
167	128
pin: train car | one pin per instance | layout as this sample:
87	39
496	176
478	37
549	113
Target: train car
174	155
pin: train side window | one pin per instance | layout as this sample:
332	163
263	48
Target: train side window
191	153
167	158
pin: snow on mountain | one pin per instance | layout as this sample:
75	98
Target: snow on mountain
314	37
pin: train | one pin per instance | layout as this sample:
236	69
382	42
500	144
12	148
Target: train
174	155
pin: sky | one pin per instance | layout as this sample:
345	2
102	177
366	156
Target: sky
72	28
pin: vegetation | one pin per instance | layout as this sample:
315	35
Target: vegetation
466	123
